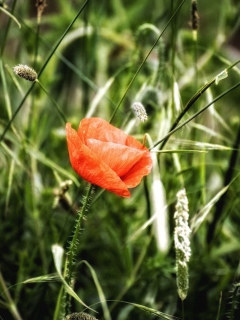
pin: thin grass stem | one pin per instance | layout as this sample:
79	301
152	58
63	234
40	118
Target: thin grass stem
7	29
166	137
220	206
41	70
190	104
144	60
12	306
60	113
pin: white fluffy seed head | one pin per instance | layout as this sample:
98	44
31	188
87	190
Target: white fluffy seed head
182	243
140	111
25	72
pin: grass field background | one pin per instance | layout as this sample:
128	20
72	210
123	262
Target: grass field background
95	59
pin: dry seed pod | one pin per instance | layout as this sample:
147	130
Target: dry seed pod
195	16
80	316
40	4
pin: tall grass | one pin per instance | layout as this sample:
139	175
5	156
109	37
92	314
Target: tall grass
95	59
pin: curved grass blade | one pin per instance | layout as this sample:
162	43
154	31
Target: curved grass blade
58	257
11	16
106	312
166	137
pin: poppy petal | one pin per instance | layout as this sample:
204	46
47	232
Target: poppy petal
100	129
119	158
90	167
106	156
138	171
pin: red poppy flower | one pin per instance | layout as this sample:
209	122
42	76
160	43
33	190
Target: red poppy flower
106	156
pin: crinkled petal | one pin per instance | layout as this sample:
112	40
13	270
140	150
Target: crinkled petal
100	129
119	158
90	167
138	171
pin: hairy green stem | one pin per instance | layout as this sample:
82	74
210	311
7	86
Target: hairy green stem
74	242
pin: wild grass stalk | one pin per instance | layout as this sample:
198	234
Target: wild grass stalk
42	69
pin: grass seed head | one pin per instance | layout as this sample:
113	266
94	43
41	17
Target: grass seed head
182	243
80	316
140	111
25	72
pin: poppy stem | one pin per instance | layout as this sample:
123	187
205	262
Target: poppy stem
74	242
